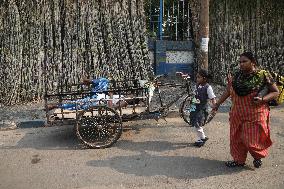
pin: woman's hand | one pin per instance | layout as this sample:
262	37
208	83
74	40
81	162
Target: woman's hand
258	100
273	94
215	107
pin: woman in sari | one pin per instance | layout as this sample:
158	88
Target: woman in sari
249	114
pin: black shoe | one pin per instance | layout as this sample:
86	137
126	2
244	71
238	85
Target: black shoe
198	143
205	139
257	163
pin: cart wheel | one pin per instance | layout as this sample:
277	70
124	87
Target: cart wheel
99	127
185	109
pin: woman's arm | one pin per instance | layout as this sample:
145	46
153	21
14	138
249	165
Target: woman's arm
223	97
226	93
273	94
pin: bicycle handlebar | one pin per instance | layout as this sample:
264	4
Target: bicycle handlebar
159	76
183	75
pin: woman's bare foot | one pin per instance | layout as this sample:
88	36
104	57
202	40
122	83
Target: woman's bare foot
51	106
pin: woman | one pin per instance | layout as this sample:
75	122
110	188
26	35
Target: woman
249	115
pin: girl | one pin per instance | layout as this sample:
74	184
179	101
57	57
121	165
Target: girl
204	92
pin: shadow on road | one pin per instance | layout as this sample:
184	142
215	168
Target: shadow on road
179	167
147	164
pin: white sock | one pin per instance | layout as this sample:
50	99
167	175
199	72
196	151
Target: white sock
200	133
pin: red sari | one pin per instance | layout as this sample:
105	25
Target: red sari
249	128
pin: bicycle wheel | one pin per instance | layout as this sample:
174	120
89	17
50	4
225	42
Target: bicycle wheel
185	109
99	127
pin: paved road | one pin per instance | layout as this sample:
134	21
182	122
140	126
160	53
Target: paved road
149	155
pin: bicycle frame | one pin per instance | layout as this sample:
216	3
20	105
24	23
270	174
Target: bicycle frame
188	91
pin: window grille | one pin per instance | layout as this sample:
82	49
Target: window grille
173	22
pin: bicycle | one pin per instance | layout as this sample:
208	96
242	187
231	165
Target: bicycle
189	102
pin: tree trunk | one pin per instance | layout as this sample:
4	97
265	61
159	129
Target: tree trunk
204	34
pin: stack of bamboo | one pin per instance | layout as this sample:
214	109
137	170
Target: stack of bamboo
47	43
241	25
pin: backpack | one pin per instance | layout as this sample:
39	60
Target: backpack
279	80
280	85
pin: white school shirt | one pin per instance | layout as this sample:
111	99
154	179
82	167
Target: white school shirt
210	92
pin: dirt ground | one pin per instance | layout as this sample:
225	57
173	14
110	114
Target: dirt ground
149	154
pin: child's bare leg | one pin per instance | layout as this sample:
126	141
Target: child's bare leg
120	104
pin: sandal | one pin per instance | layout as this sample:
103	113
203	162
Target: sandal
205	139
257	163
234	164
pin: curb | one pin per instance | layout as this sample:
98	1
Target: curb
31	124
6	125
7	128
12	125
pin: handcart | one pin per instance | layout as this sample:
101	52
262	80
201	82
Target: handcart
98	121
